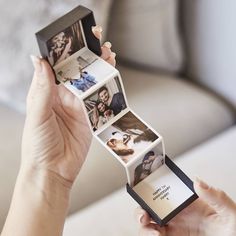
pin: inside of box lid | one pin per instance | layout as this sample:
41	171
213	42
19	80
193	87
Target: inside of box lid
163	191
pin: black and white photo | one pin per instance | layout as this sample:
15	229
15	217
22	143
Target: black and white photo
65	43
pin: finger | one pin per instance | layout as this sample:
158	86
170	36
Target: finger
107	44
40	98
142	216
112	59
150	230
106	53
216	199
69	101
97	31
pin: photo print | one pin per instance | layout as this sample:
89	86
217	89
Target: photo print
65	44
73	62
145	165
128	137
104	104
80	74
72	68
75	74
67	60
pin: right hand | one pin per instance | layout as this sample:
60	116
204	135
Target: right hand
107	54
214	213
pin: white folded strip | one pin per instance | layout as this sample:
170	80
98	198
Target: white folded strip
98	85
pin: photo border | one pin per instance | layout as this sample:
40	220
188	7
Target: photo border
159	139
118	81
141	156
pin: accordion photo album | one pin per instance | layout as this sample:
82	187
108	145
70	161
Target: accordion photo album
153	180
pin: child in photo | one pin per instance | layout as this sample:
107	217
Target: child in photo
85	82
104	114
104	104
115	103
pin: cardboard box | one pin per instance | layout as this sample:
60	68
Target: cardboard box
164	198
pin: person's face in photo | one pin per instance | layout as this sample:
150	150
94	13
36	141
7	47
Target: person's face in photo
104	95
108	113
101	107
120	147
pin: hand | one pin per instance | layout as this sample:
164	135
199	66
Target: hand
55	143
214	213
56	136
107	54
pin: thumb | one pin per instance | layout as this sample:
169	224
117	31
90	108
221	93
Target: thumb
217	199
40	96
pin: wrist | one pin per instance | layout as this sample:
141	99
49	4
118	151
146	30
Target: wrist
46	186
43	198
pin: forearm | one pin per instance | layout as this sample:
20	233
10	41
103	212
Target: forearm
39	205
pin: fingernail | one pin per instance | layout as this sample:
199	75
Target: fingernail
36	63
140	218
97	28
114	54
107	44
201	183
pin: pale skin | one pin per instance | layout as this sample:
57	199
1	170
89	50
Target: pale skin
214	213
53	152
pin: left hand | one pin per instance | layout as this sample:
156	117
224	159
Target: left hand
55	143
107	54
56	135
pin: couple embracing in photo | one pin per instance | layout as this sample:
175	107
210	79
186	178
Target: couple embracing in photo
107	106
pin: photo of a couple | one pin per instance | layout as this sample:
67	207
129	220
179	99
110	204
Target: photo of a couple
65	43
128	137
105	103
145	165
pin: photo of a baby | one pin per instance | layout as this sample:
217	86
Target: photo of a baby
128	137
105	103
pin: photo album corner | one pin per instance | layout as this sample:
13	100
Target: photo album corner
153	180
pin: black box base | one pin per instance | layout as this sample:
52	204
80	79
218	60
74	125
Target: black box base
185	179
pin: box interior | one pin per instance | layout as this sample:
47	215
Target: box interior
163	191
